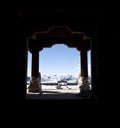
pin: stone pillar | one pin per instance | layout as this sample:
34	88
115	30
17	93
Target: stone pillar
83	78
35	83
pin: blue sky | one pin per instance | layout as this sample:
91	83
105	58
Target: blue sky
59	60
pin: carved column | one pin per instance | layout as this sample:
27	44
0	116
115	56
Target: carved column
35	83
83	78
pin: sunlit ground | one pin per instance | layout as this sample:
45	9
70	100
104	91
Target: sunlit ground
52	89
51	92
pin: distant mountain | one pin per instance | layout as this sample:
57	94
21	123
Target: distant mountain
56	78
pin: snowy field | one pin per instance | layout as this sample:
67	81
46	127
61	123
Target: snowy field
74	89
50	91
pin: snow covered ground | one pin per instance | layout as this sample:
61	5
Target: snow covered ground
49	84
64	89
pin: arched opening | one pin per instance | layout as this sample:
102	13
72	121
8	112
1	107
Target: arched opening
59	64
89	67
56	63
29	64
64	37
89	63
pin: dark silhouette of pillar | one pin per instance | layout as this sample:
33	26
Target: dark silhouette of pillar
35	64
83	80
84	63
35	85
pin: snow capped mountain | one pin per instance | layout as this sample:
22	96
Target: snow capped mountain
68	78
56	78
49	78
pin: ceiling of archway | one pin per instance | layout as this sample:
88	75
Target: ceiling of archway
58	35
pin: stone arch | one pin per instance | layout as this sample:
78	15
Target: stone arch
57	35
59	30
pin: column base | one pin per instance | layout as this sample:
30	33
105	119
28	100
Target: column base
84	86
35	85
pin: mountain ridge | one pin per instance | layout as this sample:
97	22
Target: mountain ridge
56	78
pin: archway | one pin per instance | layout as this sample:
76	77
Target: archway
59	69
58	35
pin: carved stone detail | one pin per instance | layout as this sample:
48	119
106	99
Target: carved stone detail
35	85
84	83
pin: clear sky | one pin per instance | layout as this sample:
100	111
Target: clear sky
59	60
